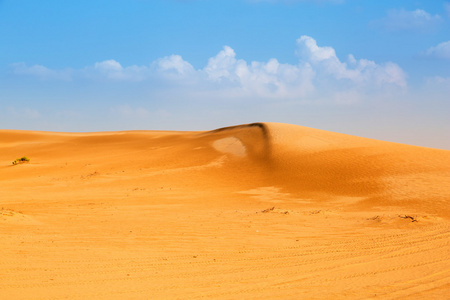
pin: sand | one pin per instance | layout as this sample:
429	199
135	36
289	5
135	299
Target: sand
258	211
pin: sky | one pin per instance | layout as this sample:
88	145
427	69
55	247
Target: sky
376	69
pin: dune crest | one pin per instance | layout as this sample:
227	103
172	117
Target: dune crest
261	210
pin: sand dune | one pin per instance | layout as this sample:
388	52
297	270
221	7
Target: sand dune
257	211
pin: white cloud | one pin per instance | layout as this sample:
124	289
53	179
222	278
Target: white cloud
403	20
169	67
441	51
175	64
108	66
313	52
113	70
41	72
264	79
222	65
319	73
360	72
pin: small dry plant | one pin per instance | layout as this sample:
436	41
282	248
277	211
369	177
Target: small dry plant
21	160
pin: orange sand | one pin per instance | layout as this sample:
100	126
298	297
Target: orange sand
258	211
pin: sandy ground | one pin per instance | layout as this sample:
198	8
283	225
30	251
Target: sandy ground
258	211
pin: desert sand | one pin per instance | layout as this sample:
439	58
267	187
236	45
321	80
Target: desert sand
257	211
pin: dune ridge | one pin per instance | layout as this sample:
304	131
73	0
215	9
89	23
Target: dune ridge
261	210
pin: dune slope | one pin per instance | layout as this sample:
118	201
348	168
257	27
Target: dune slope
262	210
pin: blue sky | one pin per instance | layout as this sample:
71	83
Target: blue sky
378	69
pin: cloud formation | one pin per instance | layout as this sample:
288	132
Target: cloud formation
41	72
441	51
227	76
264	79
175	65
360	72
403	21
113	70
